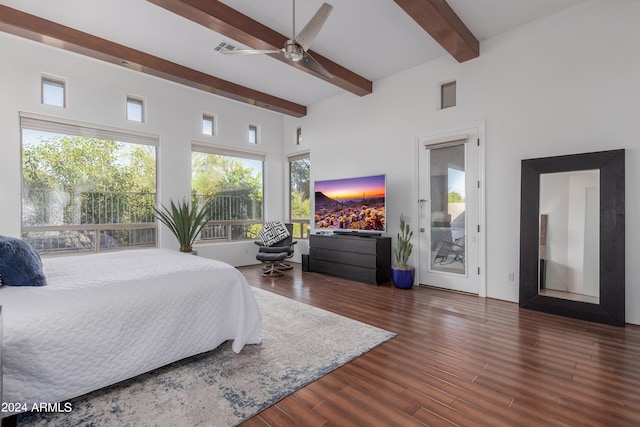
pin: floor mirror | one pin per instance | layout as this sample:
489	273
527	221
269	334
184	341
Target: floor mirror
572	250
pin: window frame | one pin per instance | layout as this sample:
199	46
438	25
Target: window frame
254	130
132	99
299	135
229	224
301	225
69	127
53	81
214	123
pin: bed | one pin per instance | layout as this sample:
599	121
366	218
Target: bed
106	317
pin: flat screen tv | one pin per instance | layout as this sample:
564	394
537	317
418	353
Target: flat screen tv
351	204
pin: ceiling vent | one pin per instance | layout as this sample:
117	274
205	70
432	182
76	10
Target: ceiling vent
224	46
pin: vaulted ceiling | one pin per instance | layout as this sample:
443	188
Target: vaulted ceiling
362	40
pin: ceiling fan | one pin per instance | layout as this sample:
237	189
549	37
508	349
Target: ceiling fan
295	49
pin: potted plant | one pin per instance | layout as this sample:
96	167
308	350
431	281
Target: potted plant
185	222
403	274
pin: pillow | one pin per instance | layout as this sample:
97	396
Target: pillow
20	264
273	232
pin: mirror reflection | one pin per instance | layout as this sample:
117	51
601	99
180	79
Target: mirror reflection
568	253
569	248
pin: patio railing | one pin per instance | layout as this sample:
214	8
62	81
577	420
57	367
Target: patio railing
57	221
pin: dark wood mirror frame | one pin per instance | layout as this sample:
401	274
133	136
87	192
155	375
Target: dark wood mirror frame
611	309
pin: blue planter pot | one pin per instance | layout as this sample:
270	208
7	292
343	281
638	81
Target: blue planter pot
403	279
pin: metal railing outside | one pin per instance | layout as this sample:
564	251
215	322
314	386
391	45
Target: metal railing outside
63	207
301	228
231	217
59	221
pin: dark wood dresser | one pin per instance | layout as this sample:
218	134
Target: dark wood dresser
364	259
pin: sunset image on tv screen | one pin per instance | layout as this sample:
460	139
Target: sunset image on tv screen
351	203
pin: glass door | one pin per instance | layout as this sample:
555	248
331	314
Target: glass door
449	214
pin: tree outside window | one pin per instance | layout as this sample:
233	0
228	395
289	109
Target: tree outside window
86	194
231	188
300	194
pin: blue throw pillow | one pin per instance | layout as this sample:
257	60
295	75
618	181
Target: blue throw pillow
20	264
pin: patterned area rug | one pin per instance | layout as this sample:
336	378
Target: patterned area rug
300	343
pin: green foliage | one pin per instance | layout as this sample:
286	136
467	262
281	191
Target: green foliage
300	188
404	246
300	206
79	180
185	222
80	163
230	188
455	197
299	175
212	174
98	181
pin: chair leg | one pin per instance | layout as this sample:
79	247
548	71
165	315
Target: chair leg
270	270
284	266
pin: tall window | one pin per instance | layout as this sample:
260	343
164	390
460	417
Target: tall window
229	183
86	189
299	194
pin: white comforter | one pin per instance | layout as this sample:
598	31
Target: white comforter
107	317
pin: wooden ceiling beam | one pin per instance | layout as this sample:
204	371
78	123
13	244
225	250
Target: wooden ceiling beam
438	19
53	34
227	21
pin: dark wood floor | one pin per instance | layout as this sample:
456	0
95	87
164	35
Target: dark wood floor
460	360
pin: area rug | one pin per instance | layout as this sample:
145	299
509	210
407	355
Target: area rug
300	343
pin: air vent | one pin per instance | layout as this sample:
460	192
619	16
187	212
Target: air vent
225	46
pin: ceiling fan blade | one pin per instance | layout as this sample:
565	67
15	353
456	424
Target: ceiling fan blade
309	63
249	51
310	31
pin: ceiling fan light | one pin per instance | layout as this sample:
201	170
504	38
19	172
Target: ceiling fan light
293	51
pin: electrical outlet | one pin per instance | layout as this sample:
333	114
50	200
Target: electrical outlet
511	277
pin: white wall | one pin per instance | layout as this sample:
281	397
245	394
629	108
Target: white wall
97	93
562	85
571	202
554	191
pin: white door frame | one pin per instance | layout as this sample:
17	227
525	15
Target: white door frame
415	211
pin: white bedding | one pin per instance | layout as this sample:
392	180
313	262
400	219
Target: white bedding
107	317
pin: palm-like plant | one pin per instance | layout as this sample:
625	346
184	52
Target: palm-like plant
185	221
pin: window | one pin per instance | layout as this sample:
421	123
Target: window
229	183
208	125
299	136
299	195
253	134
448	95
135	109
86	189
53	92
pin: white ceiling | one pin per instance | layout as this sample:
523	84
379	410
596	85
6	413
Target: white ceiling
373	38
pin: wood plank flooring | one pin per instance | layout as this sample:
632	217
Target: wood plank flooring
460	360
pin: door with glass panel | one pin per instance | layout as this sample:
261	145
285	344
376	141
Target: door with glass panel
449	212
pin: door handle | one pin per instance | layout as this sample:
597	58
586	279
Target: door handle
422	202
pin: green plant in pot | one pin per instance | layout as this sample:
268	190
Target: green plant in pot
184	220
402	274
